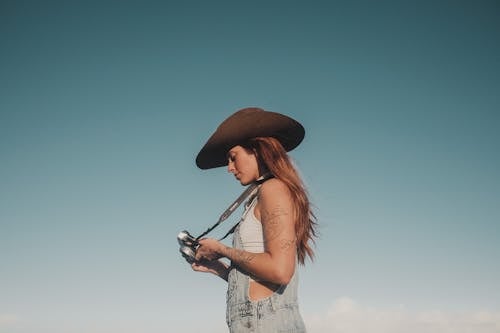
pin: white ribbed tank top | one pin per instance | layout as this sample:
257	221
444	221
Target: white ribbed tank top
250	229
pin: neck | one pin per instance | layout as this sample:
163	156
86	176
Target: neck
264	177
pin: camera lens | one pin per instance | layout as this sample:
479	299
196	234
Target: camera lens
188	253
182	237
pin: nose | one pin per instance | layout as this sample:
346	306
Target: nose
230	166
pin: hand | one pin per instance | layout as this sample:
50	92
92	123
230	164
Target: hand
205	266
209	249
215	267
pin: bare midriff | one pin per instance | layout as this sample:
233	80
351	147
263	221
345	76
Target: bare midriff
258	290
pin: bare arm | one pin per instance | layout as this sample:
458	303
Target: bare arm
277	263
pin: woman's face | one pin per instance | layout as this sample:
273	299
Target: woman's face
242	163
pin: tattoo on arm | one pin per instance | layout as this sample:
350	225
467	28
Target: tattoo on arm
274	219
287	244
240	256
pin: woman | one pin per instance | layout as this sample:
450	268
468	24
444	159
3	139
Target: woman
277	227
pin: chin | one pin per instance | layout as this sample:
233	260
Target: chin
245	182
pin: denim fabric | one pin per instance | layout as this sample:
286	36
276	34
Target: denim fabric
278	313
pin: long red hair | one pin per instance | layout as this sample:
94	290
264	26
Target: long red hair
271	153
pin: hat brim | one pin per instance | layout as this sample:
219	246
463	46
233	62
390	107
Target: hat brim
246	124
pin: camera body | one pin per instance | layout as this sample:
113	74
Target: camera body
188	246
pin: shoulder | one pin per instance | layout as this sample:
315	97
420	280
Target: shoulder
275	206
274	189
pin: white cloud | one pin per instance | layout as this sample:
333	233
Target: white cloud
347	316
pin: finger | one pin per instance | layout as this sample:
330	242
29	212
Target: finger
197	267
202	241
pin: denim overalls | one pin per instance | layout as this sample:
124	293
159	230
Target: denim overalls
276	313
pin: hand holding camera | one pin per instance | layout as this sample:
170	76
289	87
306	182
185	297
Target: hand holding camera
189	247
209	249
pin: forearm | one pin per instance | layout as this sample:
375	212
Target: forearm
260	265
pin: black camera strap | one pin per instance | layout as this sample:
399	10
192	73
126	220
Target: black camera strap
251	189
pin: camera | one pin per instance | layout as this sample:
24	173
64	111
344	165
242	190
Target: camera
188	245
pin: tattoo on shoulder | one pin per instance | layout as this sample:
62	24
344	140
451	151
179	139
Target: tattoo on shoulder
274	214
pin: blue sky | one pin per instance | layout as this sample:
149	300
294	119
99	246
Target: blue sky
104	106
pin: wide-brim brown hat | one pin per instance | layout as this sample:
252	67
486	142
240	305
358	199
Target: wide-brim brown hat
246	124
